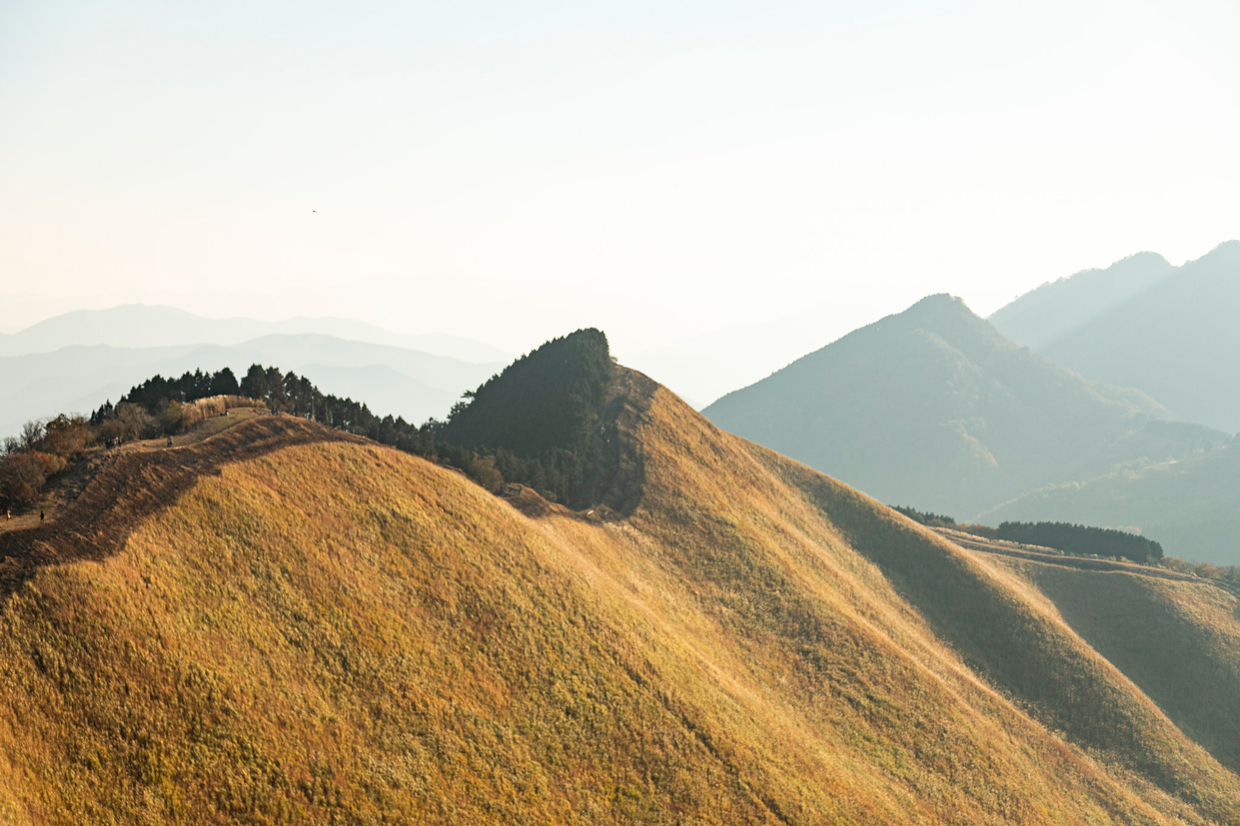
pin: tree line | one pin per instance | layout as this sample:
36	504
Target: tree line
529	424
1081	540
933	520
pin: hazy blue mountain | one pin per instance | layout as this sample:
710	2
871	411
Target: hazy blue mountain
1043	316
392	380
1169	331
1178	341
704	367
1191	505
138	325
933	406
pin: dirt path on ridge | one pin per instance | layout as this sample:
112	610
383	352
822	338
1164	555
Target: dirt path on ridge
1050	556
133	483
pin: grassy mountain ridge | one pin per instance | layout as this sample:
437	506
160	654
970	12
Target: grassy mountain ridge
934	407
1156	631
331	629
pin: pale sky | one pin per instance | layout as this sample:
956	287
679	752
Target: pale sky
512	171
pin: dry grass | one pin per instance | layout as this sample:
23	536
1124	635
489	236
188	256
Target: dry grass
338	632
1178	641
196	412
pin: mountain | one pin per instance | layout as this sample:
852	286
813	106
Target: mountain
704	367
1191	505
1176	339
1043	316
281	623
933	406
142	326
397	380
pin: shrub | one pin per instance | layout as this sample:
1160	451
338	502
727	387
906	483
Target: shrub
22	476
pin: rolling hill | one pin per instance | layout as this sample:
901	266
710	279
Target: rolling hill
280	623
934	407
1175	338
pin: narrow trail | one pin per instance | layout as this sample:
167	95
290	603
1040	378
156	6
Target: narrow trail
1051	557
131	485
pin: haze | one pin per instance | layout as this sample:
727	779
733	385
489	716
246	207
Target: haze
509	174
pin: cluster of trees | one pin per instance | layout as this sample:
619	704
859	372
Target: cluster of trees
1081	540
530	423
154	407
157	392
42	450
934	520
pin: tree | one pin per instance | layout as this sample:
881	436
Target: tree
224	383
22	477
254	384
276	397
32	433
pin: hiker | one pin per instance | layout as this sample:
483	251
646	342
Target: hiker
169	441
40	515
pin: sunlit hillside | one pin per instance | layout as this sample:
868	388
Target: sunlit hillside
1178	640
281	624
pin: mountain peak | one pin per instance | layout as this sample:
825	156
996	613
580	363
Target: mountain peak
1056	309
932	393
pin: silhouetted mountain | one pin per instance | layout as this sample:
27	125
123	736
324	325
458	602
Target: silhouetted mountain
933	407
1177	339
137	325
1055	309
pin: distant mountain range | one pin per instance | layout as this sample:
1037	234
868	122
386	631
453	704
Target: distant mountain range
395	380
1190	505
139	325
1058	308
1170	331
934	407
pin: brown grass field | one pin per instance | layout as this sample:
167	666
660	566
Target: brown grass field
278	624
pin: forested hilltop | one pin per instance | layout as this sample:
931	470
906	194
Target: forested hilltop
530	424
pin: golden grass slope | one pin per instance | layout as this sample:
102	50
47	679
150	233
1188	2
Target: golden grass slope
338	632
1178	640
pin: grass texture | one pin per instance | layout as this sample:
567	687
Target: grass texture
336	632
